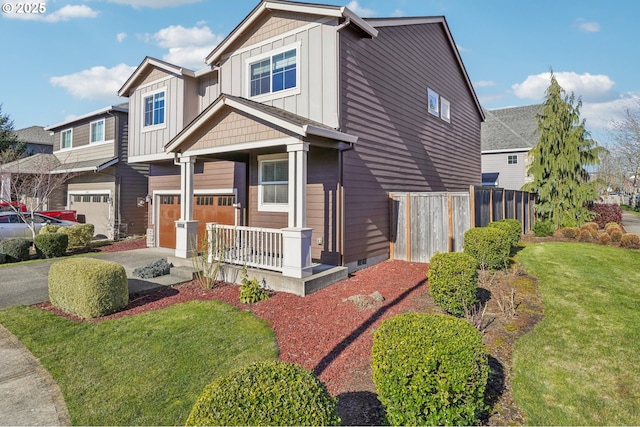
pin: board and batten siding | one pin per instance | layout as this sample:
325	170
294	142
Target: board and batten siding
401	146
512	177
317	98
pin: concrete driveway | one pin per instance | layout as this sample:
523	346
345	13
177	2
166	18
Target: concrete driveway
27	283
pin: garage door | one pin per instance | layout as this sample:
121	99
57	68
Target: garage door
93	209
206	208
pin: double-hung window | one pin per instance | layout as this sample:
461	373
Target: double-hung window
274	73
66	137
96	131
154	109
273	180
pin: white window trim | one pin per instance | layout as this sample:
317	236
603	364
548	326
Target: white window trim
509	156
445	110
145	95
270	207
70	130
272	95
72	193
104	131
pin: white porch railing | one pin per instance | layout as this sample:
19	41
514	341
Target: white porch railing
250	246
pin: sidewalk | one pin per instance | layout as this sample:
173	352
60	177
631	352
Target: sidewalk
631	222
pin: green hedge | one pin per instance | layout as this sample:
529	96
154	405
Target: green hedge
429	369
88	287
51	245
80	235
49	228
543	228
263	394
15	250
453	281
491	246
512	227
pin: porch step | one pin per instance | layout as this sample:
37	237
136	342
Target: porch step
184	272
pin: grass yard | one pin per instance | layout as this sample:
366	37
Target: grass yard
146	369
581	364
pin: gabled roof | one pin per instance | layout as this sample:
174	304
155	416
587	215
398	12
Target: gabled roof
420	20
266	6
120	108
147	64
35	135
510	129
272	115
95	165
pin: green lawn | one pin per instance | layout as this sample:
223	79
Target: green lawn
146	369
581	364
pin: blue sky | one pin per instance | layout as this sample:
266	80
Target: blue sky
73	58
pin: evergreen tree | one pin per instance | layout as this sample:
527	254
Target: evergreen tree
10	148
564	150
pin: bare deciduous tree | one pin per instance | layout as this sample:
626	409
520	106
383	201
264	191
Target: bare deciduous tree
626	135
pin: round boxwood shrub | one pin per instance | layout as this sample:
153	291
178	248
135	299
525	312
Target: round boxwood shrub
453	281
429	369
630	241
543	228
49	228
604	239
585	235
265	393
490	246
611	225
616	234
51	245
15	250
80	235
570	232
88	287
512	227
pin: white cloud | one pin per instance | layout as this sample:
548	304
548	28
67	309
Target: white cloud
355	7
45	15
121	37
398	13
153	3
484	83
95	83
187	46
588	27
590	87
600	116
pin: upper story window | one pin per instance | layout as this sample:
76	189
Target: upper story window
96	131
512	159
154	109
273	183
66	137
275	72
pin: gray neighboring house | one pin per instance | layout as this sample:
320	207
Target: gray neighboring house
37	139
508	135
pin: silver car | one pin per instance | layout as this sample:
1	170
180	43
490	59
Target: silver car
12	224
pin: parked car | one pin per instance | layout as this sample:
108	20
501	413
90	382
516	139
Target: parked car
12	225
69	215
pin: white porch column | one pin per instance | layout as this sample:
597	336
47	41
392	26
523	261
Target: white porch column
297	238
186	227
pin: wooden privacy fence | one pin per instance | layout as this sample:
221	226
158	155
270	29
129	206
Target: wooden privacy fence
425	223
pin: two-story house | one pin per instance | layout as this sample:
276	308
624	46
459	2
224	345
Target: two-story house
290	139
104	189
508	134
36	139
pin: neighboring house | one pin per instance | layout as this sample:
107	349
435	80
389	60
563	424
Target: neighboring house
508	135
38	140
304	119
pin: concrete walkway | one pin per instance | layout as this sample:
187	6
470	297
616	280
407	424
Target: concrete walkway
28	394
631	222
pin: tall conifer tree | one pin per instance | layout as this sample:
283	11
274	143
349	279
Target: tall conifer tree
10	147
558	167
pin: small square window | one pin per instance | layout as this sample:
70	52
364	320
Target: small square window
512	159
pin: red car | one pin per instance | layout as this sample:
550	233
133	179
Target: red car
66	215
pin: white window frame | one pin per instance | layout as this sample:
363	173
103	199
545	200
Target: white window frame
512	156
62	133
271	207
152	94
445	110
104	131
272	95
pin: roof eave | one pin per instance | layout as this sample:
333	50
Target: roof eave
152	62
87	115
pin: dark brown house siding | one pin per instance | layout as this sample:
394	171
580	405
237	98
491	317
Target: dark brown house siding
401	146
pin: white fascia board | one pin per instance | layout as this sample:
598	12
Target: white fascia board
364	25
152	62
87	115
328	133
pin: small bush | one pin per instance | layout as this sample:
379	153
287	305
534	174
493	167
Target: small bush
543	228
265	393
512	227
585	235
429	369
604	239
570	232
156	268
489	246
88	287
51	245
80	235
616	234
591	228
630	241
610	226
453	281
605	213
49	228
250	290
15	250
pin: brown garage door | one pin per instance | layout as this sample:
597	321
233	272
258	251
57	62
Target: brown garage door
206	208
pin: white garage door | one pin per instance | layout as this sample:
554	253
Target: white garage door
94	209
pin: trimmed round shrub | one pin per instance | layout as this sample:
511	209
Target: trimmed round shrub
591	228
453	281
630	241
616	234
15	250
49	228
265	393
489	246
543	228
51	245
512	227
570	232
585	235
429	369
88	287
604	239
80	235
610	226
